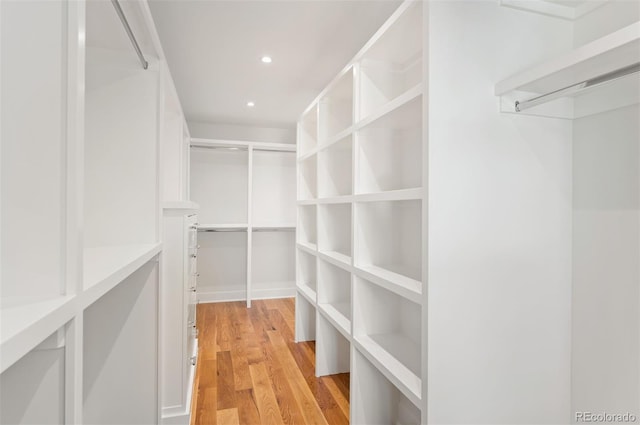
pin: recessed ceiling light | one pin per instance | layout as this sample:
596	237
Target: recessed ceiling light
251	104
266	59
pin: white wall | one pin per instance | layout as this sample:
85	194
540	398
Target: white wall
240	132
499	275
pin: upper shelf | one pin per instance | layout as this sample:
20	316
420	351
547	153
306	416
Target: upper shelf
607	54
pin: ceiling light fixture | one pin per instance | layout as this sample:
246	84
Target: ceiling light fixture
251	104
266	59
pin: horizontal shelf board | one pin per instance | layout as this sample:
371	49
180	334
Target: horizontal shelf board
105	267
274	226
306	201
564	11
611	52
308	247
401	376
336	258
307	292
230	227
341	323
335	138
345	199
391	195
206	143
406	287
308	155
392	106
180	205
25	323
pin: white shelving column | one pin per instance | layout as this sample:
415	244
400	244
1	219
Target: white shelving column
247	221
361	224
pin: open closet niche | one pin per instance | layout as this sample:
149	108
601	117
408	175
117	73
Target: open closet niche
247	223
360	254
80	187
533	211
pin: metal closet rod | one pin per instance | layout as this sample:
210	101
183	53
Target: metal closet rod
592	82
223	230
241	148
132	37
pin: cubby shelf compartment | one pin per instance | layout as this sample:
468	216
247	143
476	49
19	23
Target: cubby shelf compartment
334	231
306	278
107	266
308	132
307	231
389	238
606	54
308	178
334	295
219	183
379	401
389	150
24	324
336	108
332	348
387	327
392	65
334	169
305	320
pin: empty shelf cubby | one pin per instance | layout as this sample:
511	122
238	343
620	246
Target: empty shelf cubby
335	170
336	108
305	320
389	237
307	234
393	64
332	349
379	402
388	327
306	279
389	155
334	231
334	294
308	186
308	131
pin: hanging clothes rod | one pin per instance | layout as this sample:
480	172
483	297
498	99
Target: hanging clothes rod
132	37
223	230
243	148
592	82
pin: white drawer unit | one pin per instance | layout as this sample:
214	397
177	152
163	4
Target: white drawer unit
178	314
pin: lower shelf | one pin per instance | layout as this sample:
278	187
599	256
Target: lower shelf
338	315
398	367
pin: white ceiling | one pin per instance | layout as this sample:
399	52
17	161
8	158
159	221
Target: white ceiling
214	48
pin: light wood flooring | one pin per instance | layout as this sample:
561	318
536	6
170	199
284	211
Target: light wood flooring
250	371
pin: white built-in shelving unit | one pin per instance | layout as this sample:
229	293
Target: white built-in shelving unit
247	221
360	254
81	202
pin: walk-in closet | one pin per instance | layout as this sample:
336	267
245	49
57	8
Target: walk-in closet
328	212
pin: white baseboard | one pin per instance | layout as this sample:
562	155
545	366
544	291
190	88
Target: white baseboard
240	295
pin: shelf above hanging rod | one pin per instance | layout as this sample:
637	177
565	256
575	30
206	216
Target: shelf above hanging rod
229	144
274	229
132	37
574	88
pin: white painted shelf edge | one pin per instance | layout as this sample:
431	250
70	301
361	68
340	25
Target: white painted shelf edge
390	195
307	292
105	267
208	143
24	325
559	10
391	106
274	226
571	62
406	381
406	287
307	247
337	259
337	320
180	205
222	226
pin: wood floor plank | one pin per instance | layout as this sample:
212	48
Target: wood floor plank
250	371
247	408
226	393
310	408
265	398
228	417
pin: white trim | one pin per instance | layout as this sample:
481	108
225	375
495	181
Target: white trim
239	295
